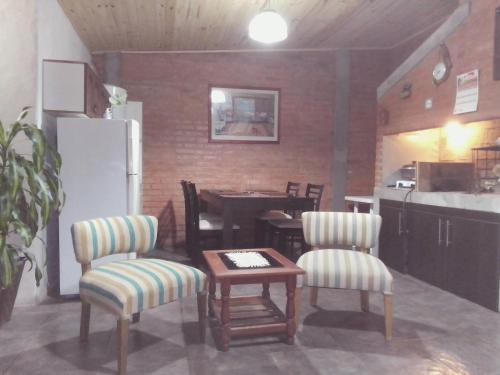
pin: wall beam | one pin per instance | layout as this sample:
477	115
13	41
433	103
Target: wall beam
340	128
439	36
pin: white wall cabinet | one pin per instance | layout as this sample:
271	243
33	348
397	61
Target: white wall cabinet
72	88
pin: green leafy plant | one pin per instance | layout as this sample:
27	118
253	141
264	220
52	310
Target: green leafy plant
30	192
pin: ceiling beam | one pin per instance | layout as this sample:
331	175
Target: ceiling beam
438	37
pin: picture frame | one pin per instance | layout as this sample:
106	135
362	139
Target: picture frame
243	114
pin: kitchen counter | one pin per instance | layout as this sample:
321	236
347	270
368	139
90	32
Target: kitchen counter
487	202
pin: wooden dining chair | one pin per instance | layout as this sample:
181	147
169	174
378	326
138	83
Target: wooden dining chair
292	190
193	216
203	226
125	288
188	221
289	231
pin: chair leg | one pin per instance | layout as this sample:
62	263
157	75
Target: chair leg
202	314
136	318
85	322
365	300
297	302
388	316
235	239
258	236
282	243
122	328
314	296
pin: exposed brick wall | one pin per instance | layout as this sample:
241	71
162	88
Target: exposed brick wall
174	90
471	47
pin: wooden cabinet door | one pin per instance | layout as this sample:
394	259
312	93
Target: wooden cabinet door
472	260
96	99
426	255
392	240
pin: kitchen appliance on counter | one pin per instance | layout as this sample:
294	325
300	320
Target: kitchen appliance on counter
101	176
405	184
408	175
408	171
441	176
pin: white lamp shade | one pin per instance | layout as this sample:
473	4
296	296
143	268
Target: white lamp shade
268	27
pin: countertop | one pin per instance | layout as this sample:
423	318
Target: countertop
487	202
359	198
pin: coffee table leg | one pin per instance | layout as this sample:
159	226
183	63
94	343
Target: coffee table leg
225	289
265	290
291	284
211	295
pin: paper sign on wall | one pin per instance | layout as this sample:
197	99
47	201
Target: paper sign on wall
467	92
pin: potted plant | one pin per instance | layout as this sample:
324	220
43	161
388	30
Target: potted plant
30	192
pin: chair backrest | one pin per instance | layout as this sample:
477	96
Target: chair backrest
341	228
315	191
97	238
195	219
188	216
292	188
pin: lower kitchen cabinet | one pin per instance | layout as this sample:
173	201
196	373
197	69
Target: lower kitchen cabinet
471	259
453	249
426	254
392	240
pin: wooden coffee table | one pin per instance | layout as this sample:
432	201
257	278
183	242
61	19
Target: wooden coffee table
255	315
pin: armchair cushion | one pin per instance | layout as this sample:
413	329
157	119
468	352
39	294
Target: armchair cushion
130	286
344	269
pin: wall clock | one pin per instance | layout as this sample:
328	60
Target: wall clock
442	69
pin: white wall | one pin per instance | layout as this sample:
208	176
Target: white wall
31	31
404	148
58	40
18	30
18	61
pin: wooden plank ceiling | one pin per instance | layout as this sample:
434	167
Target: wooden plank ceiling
179	25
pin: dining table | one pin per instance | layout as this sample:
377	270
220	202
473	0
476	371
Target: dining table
230	201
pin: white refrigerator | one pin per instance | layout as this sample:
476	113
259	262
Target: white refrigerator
101	176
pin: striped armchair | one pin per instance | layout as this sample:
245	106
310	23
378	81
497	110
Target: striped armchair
125	288
345	269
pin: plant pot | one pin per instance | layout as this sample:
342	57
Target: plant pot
118	112
8	295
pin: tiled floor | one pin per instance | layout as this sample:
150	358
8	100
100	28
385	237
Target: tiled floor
435	333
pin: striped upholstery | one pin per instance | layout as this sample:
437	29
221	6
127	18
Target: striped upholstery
96	238
341	228
344	269
126	287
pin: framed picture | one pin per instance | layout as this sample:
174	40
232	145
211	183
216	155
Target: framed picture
243	114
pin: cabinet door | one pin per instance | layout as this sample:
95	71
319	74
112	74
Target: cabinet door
392	240
472	262
63	86
426	255
72	88
96	99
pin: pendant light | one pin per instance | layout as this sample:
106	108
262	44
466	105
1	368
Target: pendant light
268	26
